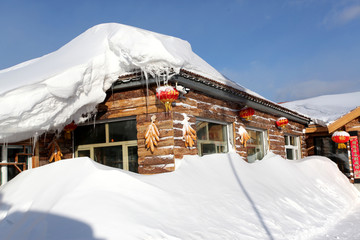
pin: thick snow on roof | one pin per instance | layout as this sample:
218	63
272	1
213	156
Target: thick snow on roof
214	197
327	108
50	91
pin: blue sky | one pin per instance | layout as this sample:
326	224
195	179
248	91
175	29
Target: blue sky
283	50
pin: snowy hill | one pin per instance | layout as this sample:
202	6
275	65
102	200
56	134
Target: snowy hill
211	197
326	108
51	91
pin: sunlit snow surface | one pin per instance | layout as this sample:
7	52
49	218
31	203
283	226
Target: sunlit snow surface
212	197
327	108
50	91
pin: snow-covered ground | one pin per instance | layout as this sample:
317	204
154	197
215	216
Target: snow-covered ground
326	108
212	197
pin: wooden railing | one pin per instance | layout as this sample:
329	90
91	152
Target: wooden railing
16	164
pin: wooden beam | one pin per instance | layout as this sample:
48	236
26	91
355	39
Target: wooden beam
353	128
344	120
316	129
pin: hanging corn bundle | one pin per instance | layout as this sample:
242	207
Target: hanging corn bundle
54	151
244	136
152	135
189	134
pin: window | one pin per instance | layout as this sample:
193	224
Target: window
256	146
292	147
213	137
16	158
113	144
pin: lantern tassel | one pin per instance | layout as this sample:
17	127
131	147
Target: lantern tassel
341	146
167	106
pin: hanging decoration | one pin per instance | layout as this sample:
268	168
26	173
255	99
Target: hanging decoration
189	134
340	137
152	135
244	136
68	129
247	113
282	122
54	151
167	94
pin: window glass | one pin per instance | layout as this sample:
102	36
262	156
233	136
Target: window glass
13	152
84	153
201	130
289	154
113	144
133	158
122	131
292	147
217	132
90	134
211	137
109	156
255	145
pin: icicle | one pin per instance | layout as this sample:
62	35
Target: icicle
45	137
147	88
112	92
94	120
34	139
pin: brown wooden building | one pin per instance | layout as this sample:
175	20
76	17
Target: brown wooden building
318	138
116	134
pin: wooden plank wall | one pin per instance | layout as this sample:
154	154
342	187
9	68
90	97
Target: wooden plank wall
172	146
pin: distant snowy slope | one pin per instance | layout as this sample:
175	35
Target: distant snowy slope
213	197
326	108
50	91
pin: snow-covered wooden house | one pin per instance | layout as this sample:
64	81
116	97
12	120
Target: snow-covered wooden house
333	116
100	96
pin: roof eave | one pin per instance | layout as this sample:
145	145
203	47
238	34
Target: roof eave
215	89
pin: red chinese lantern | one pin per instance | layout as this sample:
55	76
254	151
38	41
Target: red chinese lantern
246	113
167	95
68	129
340	137
282	122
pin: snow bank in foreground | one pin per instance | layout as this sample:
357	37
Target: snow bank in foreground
327	108
213	197
50	91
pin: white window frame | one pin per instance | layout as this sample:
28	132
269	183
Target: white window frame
292	147
107	143
229	132
264	134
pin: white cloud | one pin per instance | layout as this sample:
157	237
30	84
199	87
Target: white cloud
342	15
313	88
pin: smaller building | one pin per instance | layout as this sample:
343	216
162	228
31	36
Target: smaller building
332	113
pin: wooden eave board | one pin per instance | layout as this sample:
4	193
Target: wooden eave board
316	129
344	120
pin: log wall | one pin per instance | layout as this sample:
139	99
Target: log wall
136	103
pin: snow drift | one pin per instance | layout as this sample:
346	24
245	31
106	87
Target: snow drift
326	108
50	91
212	197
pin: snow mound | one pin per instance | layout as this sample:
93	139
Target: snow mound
51	91
326	108
212	197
